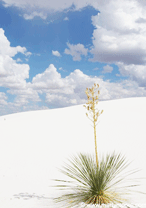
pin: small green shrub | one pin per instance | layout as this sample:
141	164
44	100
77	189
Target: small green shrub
92	184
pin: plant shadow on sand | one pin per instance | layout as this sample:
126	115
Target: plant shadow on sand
27	196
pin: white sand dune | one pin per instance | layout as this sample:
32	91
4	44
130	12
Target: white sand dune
34	144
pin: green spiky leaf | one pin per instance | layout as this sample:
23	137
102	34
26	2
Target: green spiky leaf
90	184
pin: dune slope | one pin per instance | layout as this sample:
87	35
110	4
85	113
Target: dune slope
34	144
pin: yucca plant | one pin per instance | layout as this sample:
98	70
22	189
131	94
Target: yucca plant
92	181
92	184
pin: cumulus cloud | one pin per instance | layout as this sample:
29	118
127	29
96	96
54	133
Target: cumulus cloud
35	14
76	51
33	8
61	69
13	75
49	79
56	53
19	60
3	99
6	49
58	91
141	20
120	36
62	92
66	19
51	5
136	73
67	91
107	69
24	95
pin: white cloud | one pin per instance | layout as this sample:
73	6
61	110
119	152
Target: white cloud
49	79
35	14
61	69
141	20
119	36
19	60
24	95
61	92
96	68
13	75
27	53
3	99
135	72
59	100
33	8
66	19
76	51
6	49
50	5
56	53
107	69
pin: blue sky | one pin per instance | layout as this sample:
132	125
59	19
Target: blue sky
50	51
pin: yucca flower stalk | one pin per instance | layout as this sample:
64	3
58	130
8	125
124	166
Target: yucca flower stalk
93	112
92	184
